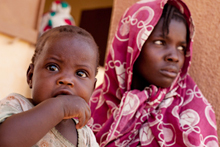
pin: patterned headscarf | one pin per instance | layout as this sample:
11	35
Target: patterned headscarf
59	15
175	116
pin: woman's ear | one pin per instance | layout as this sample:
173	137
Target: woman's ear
95	83
29	75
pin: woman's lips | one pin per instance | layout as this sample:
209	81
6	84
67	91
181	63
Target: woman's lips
169	72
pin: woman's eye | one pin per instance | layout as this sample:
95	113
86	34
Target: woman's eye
158	42
181	48
52	68
82	74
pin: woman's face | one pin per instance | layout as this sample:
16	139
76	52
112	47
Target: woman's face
162	57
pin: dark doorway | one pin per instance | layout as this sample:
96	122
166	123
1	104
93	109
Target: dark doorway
97	22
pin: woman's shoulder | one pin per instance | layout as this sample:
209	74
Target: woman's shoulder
189	81
191	94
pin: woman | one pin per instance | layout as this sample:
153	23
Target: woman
147	98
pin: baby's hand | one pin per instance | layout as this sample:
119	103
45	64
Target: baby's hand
75	106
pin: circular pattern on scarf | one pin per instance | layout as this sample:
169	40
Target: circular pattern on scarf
145	135
208	113
131	104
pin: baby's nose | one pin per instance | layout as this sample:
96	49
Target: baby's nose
66	81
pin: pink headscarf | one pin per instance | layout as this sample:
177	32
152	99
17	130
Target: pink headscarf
175	116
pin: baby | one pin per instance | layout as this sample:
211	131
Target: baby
62	79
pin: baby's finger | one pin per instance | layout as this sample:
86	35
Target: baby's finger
88	115
81	122
84	118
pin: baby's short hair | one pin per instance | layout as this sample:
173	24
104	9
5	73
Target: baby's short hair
67	30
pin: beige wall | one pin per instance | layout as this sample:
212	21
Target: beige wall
205	68
16	51
78	5
15	56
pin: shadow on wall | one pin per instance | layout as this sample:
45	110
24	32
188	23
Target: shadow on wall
97	22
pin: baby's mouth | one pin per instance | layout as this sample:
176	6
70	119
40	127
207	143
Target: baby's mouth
63	92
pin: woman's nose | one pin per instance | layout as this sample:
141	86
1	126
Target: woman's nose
172	55
65	81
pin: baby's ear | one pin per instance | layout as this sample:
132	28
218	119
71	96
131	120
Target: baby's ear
29	75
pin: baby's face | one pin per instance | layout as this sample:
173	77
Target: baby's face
66	66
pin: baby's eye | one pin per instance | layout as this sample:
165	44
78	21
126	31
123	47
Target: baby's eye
82	74
158	42
52	68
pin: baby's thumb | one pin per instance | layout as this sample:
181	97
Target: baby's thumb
81	123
